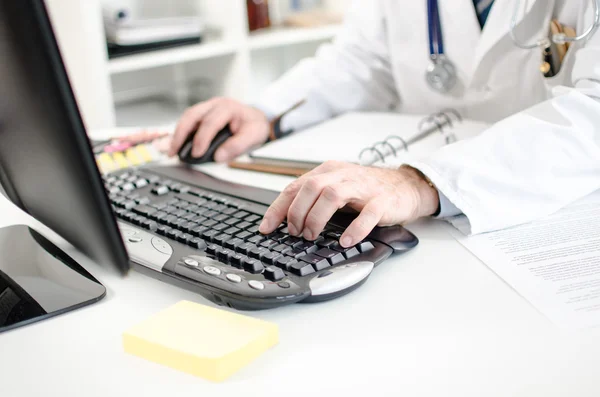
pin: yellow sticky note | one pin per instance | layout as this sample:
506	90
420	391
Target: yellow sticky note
120	159
144	153
132	156
201	340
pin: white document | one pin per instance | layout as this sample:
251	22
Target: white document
554	262
343	138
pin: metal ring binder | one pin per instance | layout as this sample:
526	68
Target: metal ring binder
439	120
404	144
386	143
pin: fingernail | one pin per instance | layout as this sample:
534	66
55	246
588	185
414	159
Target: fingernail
221	155
346	241
292	229
307	234
264	226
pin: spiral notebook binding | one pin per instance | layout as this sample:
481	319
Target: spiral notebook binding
442	122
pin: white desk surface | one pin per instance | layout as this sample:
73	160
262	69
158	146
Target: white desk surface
435	322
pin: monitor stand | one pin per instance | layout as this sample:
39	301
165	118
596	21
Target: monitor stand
38	280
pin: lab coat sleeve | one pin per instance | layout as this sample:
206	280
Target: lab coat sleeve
532	163
352	73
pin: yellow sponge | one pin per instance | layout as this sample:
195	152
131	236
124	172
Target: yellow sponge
200	340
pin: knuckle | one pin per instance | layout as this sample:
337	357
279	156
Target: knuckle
313	184
291	189
332	194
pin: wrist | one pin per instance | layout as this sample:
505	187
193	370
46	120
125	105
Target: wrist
428	200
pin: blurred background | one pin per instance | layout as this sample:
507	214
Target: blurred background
142	62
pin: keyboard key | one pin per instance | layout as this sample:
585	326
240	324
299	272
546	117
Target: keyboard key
244	235
284	262
209	235
184	237
233	243
244	225
236	260
245	248
252	218
197	231
128	187
253	229
256	239
326	253
220	218
273	273
219	207
160	190
170	209
149	225
315	260
268	244
351	253
211	249
210	214
301	269
229	211
140	183
179	213
241	214
142	200
282	248
174	233
337	247
159	206
177	222
232	221
257	252
192	208
279	237
197	243
269	257
189	216
291	240
179	188
232	230
163	229
221	238
129	204
303	245
220	227
209	223
326	242
182	205
365	246
253	266
144	210
223	254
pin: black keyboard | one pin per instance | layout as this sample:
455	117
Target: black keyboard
209	242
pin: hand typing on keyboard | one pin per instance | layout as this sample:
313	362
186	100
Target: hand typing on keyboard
384	197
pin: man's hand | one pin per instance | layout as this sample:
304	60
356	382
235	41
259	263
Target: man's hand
249	126
384	197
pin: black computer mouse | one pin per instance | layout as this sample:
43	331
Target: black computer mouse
185	153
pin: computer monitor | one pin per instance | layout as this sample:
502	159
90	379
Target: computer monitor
47	167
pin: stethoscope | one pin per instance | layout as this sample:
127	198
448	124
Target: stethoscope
441	74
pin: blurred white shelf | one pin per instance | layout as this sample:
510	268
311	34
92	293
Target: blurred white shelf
151	112
171	56
279	37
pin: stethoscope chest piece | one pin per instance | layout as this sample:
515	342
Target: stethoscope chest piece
441	74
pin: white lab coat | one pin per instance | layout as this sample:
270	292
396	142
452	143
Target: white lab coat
530	164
